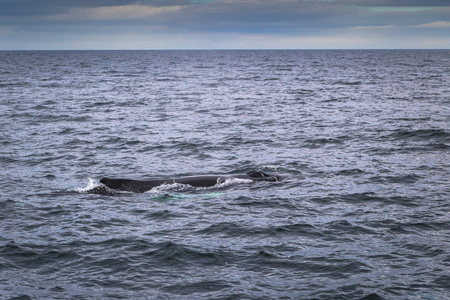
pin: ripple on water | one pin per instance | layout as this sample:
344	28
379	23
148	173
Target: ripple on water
360	137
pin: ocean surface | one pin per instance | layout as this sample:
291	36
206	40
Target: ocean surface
361	138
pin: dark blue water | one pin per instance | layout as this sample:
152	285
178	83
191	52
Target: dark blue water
362	138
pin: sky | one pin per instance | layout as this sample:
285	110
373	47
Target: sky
224	24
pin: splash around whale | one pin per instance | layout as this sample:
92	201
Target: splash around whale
140	186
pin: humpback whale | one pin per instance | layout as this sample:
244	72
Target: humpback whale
140	186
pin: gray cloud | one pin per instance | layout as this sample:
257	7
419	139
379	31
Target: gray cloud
223	15
46	7
284	18
395	3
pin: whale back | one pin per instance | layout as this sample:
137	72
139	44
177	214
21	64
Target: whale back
129	185
140	186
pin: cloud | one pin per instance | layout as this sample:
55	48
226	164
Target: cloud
230	15
47	7
394	3
438	24
115	13
214	23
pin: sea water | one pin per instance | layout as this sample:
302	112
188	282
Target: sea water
361	138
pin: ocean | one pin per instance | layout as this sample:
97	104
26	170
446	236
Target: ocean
360	137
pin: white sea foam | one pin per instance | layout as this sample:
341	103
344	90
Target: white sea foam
222	182
231	181
172	187
92	184
272	168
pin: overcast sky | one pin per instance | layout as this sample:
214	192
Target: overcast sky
224	24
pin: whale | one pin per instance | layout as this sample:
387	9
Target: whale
141	186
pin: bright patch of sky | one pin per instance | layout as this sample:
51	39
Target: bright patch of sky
400	8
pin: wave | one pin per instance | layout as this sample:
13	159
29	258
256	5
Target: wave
421	135
236	230
34	256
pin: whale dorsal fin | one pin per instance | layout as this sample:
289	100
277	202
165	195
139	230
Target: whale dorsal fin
257	174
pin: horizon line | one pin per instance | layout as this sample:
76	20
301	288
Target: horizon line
238	49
